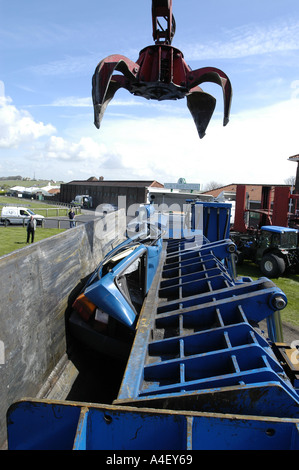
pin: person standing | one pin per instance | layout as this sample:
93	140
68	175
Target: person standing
72	217
31	227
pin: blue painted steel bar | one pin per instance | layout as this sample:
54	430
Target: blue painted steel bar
41	425
197	344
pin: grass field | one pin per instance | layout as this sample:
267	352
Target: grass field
25	183
288	284
39	207
19	201
13	238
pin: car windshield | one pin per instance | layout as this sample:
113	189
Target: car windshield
31	212
289	240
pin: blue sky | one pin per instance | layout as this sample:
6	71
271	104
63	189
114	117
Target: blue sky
49	51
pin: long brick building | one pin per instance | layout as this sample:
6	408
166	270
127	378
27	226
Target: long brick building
107	192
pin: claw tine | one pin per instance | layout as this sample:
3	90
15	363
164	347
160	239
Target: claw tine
105	85
100	103
211	74
201	105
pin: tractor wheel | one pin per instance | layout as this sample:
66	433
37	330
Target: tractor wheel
272	265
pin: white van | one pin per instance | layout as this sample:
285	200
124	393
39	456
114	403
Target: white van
18	215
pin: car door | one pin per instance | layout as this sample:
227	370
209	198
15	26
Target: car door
24	216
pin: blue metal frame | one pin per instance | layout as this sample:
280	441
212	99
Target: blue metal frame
215	219
39	425
200	348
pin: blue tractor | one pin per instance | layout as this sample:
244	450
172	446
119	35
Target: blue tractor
274	249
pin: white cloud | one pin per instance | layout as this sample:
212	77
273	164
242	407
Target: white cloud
22	144
248	40
73	102
122	102
253	148
18	127
58	148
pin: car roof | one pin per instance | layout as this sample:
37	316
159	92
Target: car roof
14	207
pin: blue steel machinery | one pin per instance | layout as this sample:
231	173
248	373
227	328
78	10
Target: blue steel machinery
201	373
207	367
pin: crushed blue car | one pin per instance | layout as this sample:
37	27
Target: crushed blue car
106	312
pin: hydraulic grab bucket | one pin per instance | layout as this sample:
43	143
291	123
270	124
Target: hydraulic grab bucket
160	73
